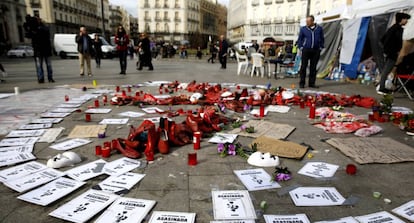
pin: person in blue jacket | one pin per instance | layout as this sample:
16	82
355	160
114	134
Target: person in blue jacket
311	41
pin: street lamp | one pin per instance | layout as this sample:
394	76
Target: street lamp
308	6
103	18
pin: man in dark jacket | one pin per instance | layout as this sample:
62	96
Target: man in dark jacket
223	48
145	58
311	41
85	50
42	48
392	41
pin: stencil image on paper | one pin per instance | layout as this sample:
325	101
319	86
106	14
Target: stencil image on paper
33	180
87	171
21	170
316	196
121	166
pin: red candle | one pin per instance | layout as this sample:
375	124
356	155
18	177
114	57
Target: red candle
105	99
98	150
137	94
196	140
262	111
117	89
88	117
106	152
66	98
129	89
312	111
192	159
124	93
149	156
351	169
96	103
107	144
302	104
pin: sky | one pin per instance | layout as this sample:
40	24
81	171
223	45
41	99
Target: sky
131	5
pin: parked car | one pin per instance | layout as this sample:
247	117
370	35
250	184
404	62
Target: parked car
21	51
65	46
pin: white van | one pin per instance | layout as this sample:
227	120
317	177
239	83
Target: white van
65	46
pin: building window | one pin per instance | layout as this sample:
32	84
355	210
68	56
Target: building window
291	29
255	30
166	28
267	30
165	15
61	17
157	27
278	30
177	28
36	13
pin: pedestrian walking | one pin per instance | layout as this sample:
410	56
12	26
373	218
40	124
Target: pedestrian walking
145	58
392	42
97	46
223	48
311	41
42	48
85	50
3	72
199	53
213	53
122	41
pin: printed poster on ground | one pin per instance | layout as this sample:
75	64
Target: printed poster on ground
84	207
232	205
256	179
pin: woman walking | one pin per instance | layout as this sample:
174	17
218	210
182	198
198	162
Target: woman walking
122	41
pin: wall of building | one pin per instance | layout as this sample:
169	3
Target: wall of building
12	18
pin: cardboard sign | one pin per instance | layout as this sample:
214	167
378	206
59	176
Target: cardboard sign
280	148
265	128
316	196
127	210
373	150
232	205
86	131
84	207
51	192
172	217
256	179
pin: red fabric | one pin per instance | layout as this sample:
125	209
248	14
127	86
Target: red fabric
124	45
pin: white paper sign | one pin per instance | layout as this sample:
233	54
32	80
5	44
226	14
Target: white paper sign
383	217
46	120
98	110
132	114
33	180
85	206
127	210
223	138
121	183
36	126
256	179
318	169
172	217
121	166
25	133
70	144
342	220
302	218
21	170
16	158
18	141
406	210
236	204
63	110
51	192
87	171
114	121
51	135
152	110
70	105
53	115
15	150
234	221
316	196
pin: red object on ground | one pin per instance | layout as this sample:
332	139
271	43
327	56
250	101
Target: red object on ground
66	98
302	104
351	169
117	89
98	150
88	117
129	89
97	103
107	144
197	140
106	152
105	99
192	159
262	111
312	111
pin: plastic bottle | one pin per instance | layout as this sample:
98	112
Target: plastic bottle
342	76
336	74
367	78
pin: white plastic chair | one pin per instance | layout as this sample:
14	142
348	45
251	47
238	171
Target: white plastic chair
257	64
241	61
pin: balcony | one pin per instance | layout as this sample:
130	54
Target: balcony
35	4
176	19
267	21
146	5
291	0
255	2
268	2
253	22
166	19
157	6
290	19
166	6
147	19
177	6
158	19
278	20
280	1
